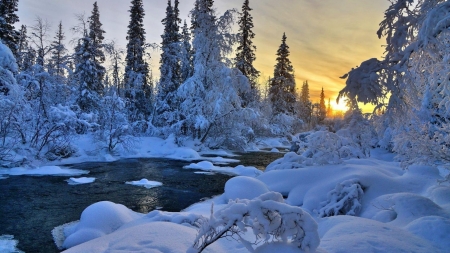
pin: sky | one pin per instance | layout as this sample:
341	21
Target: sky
326	38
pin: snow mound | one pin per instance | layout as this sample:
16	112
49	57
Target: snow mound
244	188
43	171
3	177
153	237
8	244
81	180
239	170
432	228
97	220
145	183
364	235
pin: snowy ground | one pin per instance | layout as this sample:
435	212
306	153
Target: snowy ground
389	210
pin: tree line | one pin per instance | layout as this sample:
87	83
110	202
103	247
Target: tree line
50	95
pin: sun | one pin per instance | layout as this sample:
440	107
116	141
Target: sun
339	107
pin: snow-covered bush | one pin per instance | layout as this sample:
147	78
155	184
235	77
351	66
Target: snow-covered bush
114	128
345	199
270	219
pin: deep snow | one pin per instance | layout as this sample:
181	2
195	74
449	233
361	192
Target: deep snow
396	211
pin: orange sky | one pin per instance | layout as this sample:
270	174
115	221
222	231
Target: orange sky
326	38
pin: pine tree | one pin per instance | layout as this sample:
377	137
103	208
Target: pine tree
59	57
8	18
322	107
98	56
305	110
329	109
282	85
22	47
136	71
87	79
170	66
187	67
246	50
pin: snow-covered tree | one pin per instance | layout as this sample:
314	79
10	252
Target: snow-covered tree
8	17
59	55
87	79
282	84
170	79
322	107
137	91
210	98
187	67
245	55
414	72
305	105
97	54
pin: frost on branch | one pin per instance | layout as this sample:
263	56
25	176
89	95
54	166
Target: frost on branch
270	219
345	199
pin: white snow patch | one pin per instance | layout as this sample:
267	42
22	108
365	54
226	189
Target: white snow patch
81	180
97	220
8	244
145	183
236	171
43	171
3	177
275	150
244	188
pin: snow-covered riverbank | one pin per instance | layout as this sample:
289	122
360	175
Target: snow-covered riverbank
388	209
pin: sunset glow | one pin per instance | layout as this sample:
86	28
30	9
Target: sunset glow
326	38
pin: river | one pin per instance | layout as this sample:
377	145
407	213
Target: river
30	207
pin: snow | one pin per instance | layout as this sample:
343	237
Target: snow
8	244
97	220
398	211
354	234
145	183
244	188
81	180
239	170
42	171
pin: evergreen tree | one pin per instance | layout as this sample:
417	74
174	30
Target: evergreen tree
305	105
246	50
304	96
136	71
22	47
8	18
329	109
187	67
59	57
322	107
87	79
98	56
282	85
170	66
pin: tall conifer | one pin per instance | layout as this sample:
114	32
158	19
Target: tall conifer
96	39
136	69
282	85
8	17
246	50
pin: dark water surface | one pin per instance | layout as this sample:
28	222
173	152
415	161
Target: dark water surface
30	207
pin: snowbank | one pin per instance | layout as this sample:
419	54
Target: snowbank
244	188
8	244
145	183
97	220
81	180
43	171
236	171
372	204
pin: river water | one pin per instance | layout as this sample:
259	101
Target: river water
30	207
